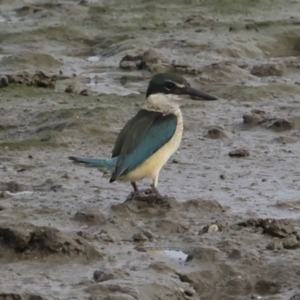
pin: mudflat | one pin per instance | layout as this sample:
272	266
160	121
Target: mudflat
72	73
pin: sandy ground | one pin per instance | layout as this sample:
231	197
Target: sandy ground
229	226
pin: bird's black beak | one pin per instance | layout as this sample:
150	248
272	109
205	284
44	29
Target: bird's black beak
196	94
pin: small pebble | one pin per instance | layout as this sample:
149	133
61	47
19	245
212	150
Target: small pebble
212	228
138	237
239	153
69	89
100	276
84	92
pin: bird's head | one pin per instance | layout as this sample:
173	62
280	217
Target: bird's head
166	83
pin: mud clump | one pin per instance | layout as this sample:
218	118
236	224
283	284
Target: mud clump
14	296
217	132
108	274
279	124
149	60
262	118
266	70
27	240
147	206
90	215
38	79
255	117
274	227
239	153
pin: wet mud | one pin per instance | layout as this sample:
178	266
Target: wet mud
72	73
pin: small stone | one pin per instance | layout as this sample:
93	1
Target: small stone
255	117
274	245
212	228
149	60
139	237
150	235
239	153
4	82
290	242
84	92
69	89
216	132
100	276
189	293
203	230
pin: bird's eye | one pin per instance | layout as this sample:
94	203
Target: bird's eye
169	85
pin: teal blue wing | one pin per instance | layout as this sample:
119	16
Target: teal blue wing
142	114
148	134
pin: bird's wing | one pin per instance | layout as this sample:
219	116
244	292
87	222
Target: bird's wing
128	126
146	135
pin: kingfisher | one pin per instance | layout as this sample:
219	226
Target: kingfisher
151	137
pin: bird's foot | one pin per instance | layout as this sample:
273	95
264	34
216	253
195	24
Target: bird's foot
139	194
147	195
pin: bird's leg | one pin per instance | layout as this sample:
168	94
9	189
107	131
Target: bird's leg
135	188
156	192
145	193
137	192
134	193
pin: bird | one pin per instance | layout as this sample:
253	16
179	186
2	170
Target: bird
151	137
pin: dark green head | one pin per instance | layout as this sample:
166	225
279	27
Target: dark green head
166	83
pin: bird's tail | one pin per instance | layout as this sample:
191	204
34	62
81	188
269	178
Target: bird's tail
103	164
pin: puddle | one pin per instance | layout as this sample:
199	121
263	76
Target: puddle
18	193
93	58
175	254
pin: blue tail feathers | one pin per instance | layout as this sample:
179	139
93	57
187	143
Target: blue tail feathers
104	164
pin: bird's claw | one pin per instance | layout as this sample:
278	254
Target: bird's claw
144	195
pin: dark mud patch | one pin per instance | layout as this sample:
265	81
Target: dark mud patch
264	119
38	79
22	296
25	241
273	227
